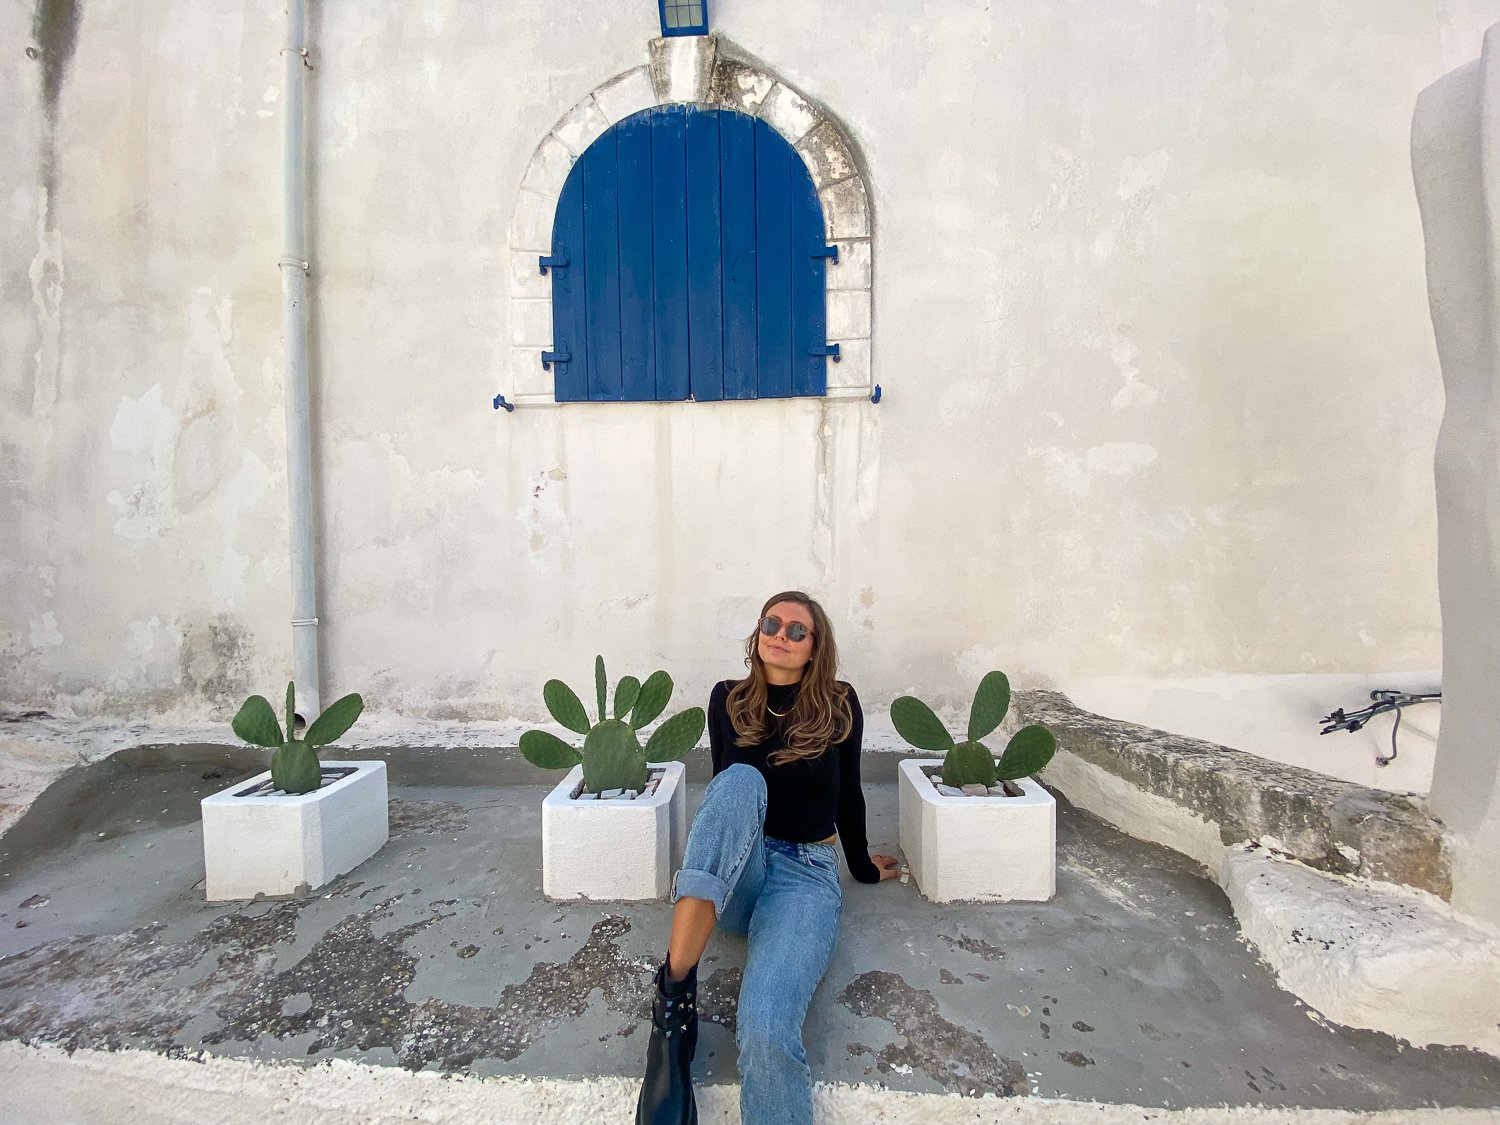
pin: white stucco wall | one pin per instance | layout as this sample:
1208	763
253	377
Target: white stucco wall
1160	391
1454	135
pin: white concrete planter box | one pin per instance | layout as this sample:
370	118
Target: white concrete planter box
978	849
617	851
283	845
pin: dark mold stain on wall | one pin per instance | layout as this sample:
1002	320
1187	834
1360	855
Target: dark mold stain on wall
216	658
54	28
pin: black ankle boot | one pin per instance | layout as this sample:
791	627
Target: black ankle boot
667	1091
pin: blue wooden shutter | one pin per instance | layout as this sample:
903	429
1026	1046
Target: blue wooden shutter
688	261
601	274
737	195
705	279
669	233
569	337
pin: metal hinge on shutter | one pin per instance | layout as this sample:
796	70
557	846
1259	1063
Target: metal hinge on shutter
829	350
554	262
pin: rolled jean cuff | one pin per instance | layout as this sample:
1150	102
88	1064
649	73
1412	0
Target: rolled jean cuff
701	884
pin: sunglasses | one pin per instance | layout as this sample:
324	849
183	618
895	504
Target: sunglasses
796	632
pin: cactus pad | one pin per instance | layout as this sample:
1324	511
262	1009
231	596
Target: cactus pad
564	706
916	723
655	694
612	758
335	720
294	768
1028	753
991	702
969	763
627	691
256	723
548	751
676	736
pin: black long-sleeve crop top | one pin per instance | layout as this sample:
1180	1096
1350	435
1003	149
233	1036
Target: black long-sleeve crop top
807	799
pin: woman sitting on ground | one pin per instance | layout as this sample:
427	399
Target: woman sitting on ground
760	860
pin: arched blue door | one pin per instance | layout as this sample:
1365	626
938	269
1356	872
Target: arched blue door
688	262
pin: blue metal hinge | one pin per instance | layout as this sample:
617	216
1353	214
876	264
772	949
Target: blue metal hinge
826	252
827	349
500	401
551	261
549	358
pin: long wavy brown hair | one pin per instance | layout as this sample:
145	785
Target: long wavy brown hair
819	717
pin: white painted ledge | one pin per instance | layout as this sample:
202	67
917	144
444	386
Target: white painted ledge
1361	953
1370	955
130	1087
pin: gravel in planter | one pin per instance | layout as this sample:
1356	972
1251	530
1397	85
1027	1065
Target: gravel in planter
653	780
934	774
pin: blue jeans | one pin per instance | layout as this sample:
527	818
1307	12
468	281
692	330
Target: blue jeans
785	899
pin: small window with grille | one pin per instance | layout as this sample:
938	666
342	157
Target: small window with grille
684	17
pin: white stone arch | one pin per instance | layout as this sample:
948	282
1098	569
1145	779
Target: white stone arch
692	70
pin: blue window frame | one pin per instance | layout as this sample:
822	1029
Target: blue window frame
688	262
683	17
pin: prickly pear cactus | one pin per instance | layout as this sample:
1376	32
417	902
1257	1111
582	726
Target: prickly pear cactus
612	756
970	762
294	765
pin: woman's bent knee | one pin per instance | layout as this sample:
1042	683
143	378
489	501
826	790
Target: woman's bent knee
738	786
740	776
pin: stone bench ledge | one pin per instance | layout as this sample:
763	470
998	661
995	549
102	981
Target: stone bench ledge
1328	824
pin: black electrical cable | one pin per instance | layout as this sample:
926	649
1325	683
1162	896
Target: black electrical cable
1386	699
1379	761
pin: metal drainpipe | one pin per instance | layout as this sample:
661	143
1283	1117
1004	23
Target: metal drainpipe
294	266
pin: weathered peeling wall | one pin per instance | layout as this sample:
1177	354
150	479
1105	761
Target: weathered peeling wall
145	559
1159	384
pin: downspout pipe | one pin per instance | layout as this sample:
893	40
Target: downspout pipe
294	269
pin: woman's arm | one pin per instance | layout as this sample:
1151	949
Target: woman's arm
718	717
851	811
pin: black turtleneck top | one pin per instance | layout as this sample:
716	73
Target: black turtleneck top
808	799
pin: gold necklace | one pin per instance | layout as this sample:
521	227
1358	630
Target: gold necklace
778	714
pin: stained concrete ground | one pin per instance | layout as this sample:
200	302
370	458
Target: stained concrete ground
1131	986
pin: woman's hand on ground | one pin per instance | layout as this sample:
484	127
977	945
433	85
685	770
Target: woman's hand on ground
890	866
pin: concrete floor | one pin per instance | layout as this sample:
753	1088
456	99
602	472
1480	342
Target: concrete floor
1131	986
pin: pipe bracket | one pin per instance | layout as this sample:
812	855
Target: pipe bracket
304	622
